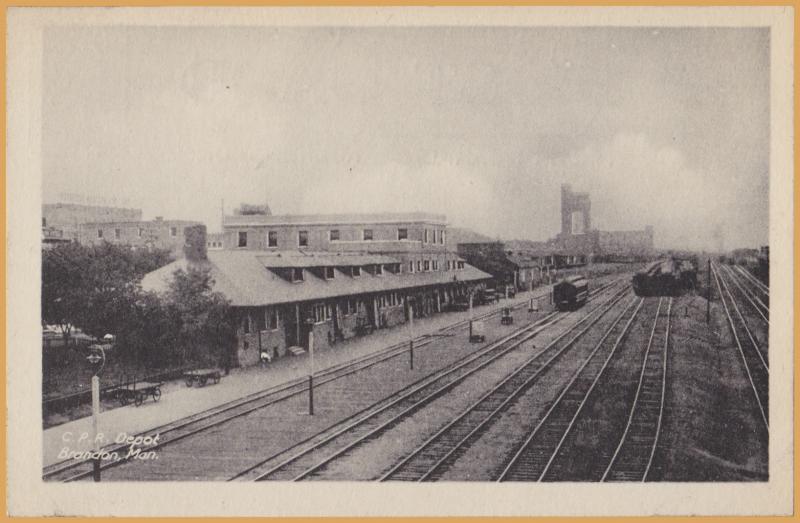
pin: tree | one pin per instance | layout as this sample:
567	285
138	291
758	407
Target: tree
93	287
202	321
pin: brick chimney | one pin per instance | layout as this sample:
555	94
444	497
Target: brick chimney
194	247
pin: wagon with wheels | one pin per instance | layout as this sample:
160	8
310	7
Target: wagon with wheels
136	392
202	376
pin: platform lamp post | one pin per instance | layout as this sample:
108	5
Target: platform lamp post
97	360
310	324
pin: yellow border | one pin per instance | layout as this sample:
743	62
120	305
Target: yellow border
180	3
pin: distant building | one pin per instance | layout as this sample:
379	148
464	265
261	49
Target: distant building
52	237
68	217
150	234
578	238
215	241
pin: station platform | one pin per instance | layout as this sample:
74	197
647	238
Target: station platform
178	400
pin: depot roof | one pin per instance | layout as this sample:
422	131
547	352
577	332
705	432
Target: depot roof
247	278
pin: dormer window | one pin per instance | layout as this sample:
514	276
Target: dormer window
330	273
378	270
355	271
297	275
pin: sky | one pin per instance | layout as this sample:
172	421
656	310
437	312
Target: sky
662	126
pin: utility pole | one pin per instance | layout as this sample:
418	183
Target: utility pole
708	294
311	370
411	336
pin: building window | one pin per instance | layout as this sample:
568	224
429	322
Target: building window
378	270
334	235
272	319
246	324
272	238
460	265
448	265
419	266
441	237
117	234
426	265
402	234
426	236
173	231
302	238
44	222
242	238
329	273
411	266
355	272
435	265
140	232
99	233
367	235
297	274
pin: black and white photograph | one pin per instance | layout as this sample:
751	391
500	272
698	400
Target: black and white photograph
400	261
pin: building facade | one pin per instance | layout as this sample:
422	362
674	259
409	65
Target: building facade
312	279
150	234
68	217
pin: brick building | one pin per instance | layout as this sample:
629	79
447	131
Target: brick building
314	273
68	217
150	234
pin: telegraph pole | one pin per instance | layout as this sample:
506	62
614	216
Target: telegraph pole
311	370
708	294
411	336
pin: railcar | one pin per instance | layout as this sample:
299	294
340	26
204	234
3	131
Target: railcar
571	293
665	277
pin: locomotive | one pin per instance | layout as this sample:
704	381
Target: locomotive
570	293
666	277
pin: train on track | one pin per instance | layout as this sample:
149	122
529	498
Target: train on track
666	277
571	293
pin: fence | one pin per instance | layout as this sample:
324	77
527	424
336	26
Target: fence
74	400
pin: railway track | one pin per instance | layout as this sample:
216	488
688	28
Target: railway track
307	460
755	365
533	459
757	304
431	459
755	282
73	469
633	456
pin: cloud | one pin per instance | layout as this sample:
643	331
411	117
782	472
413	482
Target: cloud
441	186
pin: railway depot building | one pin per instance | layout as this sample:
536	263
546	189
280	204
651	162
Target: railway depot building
338	276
